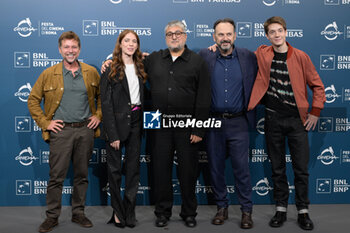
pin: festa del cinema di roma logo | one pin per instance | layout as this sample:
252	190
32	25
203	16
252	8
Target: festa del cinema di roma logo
157	120
331	31
26	157
23	92
327	156
25	28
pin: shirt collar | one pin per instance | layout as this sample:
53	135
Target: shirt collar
230	56
66	71
185	55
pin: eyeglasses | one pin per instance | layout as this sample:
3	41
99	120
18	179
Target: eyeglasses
177	34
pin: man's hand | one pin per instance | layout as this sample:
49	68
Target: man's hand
195	139
310	122
94	122
55	126
105	65
144	55
213	48
115	144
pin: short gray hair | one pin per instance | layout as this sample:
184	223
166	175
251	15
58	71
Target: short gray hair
175	23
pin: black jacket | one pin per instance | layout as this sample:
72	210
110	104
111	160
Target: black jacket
116	107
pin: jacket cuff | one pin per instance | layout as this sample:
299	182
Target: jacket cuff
199	132
315	111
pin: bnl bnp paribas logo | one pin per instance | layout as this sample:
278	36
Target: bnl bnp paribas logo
324	185
23	60
256	29
23	124
23	187
336	2
110	28
332	62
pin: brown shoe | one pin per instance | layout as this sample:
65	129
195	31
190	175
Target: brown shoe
48	224
220	216
82	220
246	222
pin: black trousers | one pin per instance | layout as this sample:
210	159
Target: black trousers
124	208
166	142
277	130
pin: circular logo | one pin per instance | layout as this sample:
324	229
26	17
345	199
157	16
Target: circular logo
260	126
331	32
331	94
115	1
269	2
23	92
327	156
24	28
262	187
26	157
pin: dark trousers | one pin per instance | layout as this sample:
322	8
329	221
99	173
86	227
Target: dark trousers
70	144
231	140
166	142
124	208
277	130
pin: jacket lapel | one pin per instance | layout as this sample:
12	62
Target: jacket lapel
126	86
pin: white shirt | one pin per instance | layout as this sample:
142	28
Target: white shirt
133	83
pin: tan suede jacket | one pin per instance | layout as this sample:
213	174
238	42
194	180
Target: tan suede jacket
49	87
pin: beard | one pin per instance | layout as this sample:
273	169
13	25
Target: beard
177	48
227	48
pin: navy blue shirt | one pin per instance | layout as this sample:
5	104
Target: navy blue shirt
227	84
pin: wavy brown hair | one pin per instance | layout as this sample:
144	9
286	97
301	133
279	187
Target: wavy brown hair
118	66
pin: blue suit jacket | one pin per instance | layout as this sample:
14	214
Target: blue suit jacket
249	67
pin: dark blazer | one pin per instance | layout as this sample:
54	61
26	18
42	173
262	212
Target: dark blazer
116	107
249	67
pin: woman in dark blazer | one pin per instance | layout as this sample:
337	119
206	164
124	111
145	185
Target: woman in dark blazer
122	101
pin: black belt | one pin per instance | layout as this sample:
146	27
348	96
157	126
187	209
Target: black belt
226	115
76	124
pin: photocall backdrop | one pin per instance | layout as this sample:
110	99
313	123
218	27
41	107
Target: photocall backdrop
29	34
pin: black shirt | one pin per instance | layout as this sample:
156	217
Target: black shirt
182	86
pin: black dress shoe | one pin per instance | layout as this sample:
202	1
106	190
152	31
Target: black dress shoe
162	221
190	221
278	220
130	220
220	216
305	222
247	221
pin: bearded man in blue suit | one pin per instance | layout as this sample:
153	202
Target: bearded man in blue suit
233	72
